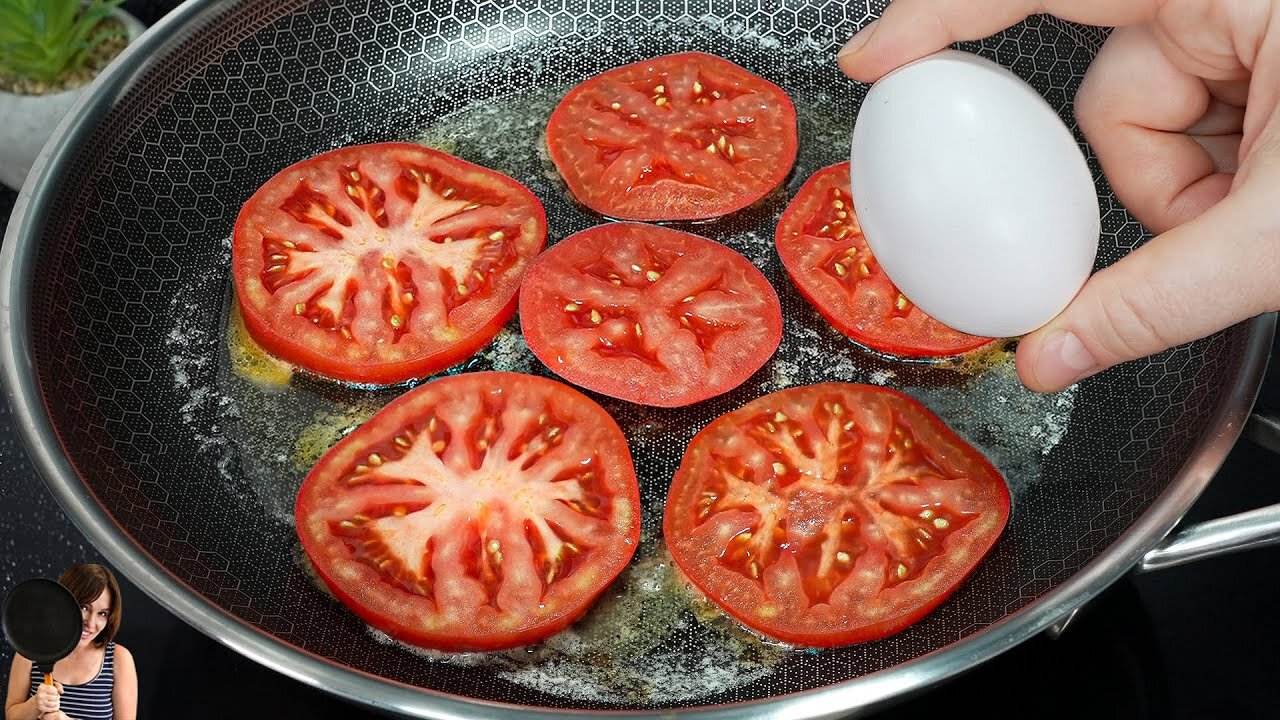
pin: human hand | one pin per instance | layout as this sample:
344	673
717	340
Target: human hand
1182	108
48	699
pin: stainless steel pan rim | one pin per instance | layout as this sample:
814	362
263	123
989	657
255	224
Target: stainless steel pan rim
839	700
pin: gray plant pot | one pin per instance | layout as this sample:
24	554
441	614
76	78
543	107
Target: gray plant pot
27	121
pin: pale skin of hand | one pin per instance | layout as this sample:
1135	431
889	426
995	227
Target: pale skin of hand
1182	108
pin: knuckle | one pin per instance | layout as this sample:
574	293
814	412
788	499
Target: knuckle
1127	322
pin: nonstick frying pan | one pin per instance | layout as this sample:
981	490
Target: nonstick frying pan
182	469
42	623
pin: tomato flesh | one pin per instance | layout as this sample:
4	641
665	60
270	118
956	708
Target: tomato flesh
832	514
649	314
476	512
377	264
821	246
680	137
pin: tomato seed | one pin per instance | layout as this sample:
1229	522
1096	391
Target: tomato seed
462	290
639	332
840	269
660	101
779	468
688	299
926	514
901	571
660	89
299	308
497	235
697	88
595	317
780	417
635	268
448	193
941	523
437	446
711	148
571	307
351	190
653	275
616	106
843	557
375	459
902	302
863	270
395	321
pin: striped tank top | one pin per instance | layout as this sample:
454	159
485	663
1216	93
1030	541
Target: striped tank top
92	700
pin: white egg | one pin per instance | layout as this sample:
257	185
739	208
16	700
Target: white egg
973	194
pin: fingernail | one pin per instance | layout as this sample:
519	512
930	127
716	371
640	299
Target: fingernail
859	39
1064	360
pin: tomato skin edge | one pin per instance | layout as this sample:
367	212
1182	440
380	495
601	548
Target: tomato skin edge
838	317
684	562
383	374
308	495
278	342
560	158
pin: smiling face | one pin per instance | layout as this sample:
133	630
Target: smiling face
93	618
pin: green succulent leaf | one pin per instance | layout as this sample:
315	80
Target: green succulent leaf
46	39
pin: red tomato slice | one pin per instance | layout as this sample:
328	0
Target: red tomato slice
822	248
377	264
680	137
476	512
832	514
649	314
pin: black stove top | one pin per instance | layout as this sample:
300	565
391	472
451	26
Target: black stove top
1191	642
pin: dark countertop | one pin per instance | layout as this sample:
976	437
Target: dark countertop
1191	642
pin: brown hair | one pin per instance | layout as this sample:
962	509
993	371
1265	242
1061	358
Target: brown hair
86	581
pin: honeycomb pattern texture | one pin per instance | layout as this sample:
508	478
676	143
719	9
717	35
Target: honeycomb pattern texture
132	296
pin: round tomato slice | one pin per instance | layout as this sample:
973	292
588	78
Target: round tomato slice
377	264
822	248
680	137
831	514
476	512
649	314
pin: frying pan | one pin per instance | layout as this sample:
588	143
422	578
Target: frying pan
182	470
42	623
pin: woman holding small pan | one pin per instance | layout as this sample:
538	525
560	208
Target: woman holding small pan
98	679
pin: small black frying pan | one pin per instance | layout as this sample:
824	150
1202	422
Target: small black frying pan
42	623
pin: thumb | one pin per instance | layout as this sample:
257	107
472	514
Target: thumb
1194	280
57	685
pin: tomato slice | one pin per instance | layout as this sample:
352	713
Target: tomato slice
824	252
832	514
377	264
649	314
476	512
679	137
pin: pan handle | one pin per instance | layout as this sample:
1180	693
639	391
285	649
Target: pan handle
1243	531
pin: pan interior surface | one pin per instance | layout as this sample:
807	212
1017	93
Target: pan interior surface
197	456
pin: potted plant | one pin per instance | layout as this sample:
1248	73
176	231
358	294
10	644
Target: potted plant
50	50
